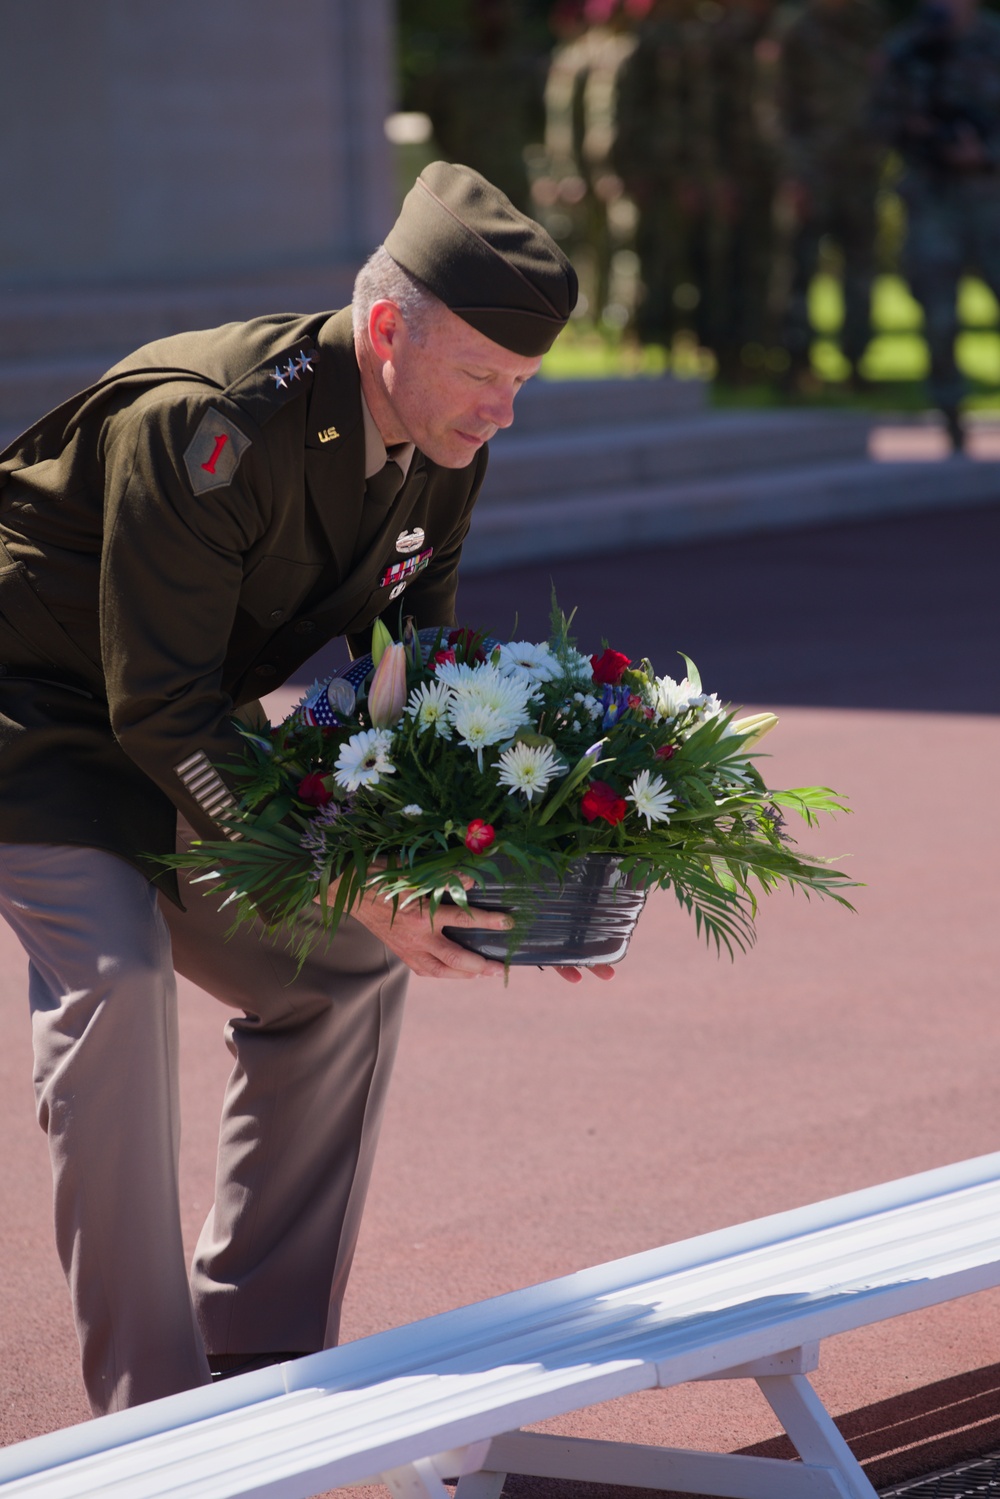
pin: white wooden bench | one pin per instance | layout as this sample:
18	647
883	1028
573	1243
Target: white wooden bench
445	1396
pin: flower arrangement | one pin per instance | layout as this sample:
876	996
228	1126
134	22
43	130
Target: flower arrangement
451	761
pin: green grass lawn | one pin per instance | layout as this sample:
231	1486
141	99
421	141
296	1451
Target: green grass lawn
896	357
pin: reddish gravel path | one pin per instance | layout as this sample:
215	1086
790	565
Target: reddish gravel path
540	1128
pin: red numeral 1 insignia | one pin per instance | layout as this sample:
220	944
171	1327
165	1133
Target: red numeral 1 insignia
220	443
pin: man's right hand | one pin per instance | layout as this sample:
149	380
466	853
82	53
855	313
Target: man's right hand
408	933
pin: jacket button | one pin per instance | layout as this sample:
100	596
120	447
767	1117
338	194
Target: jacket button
265	669
276	613
305	626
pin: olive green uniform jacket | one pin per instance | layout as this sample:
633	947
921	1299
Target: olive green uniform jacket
177	540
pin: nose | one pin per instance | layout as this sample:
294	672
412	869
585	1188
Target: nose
498	407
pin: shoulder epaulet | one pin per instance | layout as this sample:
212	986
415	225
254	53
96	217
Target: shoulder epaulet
283	377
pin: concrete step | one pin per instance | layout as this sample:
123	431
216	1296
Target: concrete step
620	518
94	321
547	406
637	453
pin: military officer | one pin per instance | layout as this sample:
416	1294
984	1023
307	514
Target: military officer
174	540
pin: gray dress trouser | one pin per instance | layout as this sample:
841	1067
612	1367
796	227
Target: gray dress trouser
312	1059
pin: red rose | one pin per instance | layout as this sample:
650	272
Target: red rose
609	667
464	640
601	800
478	836
312	789
444	658
666	752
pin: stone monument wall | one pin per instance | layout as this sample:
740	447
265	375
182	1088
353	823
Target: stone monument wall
152	140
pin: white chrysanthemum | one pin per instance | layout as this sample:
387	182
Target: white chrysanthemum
528	768
478	726
651	798
491	688
429	704
364	759
454	671
669	699
413	810
533	663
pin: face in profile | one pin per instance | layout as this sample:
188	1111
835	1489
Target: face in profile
448	392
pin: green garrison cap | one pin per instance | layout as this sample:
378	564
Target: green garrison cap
493	266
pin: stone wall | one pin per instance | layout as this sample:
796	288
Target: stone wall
185	140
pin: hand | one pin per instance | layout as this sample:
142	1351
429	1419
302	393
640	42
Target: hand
408	933
574	975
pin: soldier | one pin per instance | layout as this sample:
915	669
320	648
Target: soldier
938	102
485	102
173	541
647	156
581	107
745	182
833	163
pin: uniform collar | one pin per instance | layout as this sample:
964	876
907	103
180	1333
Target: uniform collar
376	452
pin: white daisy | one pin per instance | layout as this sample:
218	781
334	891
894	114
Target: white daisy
429	704
364	759
528	768
532	663
651	797
478	726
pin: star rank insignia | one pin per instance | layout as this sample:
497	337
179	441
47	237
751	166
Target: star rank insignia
298	365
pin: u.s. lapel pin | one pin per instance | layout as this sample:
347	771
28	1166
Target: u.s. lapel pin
328	434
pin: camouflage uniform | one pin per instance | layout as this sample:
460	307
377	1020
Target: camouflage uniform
937	90
826	69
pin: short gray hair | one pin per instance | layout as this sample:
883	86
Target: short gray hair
382	279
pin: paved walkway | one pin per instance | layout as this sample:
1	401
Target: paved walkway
541	1128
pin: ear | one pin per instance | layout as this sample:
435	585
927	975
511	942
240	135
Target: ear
386	330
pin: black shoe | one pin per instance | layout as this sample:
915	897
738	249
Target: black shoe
954	428
228	1365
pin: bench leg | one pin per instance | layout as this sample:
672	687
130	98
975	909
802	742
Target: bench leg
624	1463
812	1430
416	1480
481	1485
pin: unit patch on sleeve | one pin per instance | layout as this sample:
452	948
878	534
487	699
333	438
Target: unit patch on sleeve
214	452
399	574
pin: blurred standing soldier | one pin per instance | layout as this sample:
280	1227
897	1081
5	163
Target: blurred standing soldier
581	100
833	163
744	188
485	102
647	155
559	190
938	102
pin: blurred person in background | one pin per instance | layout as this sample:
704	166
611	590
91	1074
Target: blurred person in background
581	176
485	100
833	162
937	101
745	152
666	156
648	154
